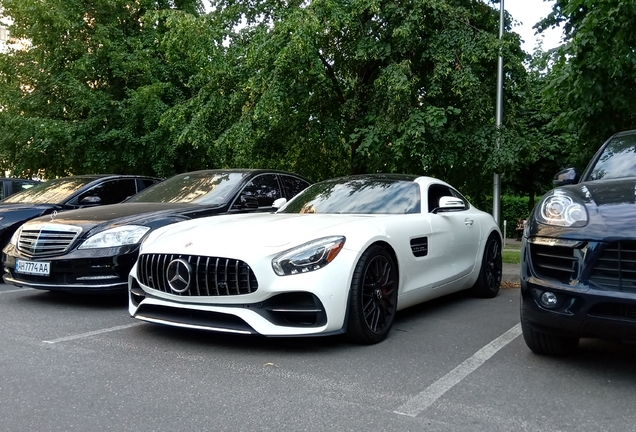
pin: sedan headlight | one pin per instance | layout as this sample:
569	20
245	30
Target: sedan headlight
562	209
308	257
120	236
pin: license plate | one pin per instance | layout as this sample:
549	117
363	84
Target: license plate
42	268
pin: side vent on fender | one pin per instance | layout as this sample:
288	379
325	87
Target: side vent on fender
419	246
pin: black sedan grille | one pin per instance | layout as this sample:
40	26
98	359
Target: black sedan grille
43	240
554	262
615	269
203	276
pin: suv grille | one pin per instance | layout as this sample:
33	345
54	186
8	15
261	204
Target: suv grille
47	239
554	262
615	269
204	276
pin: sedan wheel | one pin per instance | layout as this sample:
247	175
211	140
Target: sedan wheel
373	298
489	280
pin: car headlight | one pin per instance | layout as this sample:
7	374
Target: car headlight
562	209
120	236
308	257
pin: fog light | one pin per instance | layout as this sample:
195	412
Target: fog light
548	299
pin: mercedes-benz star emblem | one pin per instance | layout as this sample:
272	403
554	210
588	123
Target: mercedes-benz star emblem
54	215
179	274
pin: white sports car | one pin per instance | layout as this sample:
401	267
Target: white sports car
341	257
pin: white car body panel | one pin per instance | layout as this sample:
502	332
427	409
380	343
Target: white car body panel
455	246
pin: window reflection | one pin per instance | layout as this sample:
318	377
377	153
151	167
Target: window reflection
51	192
618	160
358	196
200	188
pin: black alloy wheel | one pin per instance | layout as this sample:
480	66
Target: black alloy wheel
373	297
489	279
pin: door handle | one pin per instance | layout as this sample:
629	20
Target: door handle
468	221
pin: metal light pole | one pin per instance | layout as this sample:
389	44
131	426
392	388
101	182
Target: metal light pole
496	193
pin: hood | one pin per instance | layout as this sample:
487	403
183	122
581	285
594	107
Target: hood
147	214
238	235
611	206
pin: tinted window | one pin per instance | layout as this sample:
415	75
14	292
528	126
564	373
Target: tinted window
147	183
18	186
52	192
208	188
265	188
358	196
617	160
293	185
110	192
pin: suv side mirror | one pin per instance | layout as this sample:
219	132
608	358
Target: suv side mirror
564	177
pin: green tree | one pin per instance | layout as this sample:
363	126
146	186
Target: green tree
88	93
333	87
594	74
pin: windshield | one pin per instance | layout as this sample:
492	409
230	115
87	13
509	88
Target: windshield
358	196
207	188
54	191
618	160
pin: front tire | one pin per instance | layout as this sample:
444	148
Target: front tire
489	279
373	297
543	343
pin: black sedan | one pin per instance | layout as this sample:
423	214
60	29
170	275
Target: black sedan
66	194
578	270
93	250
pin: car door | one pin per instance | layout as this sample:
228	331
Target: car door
454	239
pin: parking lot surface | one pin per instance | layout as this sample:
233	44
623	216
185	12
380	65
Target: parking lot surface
454	364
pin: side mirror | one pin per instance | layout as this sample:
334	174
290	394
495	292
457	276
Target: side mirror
564	177
279	203
450	203
90	201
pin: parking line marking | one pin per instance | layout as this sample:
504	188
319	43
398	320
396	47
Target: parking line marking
426	398
16	290
92	333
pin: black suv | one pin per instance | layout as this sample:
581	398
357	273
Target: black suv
578	268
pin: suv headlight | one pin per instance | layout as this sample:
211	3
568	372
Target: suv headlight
120	236
308	257
562	209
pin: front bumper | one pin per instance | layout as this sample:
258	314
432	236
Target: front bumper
593	296
91	270
309	304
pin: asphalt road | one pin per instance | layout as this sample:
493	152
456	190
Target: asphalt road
73	363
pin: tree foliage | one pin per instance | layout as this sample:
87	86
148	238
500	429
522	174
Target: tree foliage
335	87
594	72
89	92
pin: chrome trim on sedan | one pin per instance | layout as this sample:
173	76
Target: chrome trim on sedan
68	287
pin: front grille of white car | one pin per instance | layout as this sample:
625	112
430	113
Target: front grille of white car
203	276
47	239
